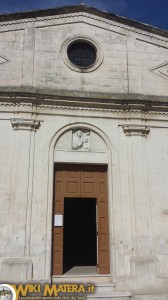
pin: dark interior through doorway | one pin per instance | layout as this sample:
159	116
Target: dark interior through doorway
80	234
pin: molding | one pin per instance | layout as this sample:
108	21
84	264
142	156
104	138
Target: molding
88	13
25	124
135	130
40	101
33	95
89	40
73	108
125	112
161	70
55	109
3	60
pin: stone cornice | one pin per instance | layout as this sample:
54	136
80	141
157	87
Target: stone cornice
114	113
136	129
34	15
25	124
76	100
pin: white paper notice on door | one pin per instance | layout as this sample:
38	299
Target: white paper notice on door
58	220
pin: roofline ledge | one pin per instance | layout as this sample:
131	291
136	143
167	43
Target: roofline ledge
82	8
76	99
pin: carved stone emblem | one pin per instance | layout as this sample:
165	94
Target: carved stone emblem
81	139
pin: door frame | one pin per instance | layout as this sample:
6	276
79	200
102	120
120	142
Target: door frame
81	181
49	206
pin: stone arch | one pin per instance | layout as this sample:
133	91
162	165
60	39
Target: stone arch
81	145
80	125
53	143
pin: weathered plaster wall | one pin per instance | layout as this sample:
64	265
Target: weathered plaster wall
136	146
137	194
30	56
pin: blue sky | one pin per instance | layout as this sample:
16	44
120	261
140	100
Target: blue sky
153	12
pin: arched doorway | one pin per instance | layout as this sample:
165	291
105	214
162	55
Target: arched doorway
88	159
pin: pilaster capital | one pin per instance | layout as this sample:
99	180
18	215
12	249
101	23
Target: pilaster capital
136	129
25	124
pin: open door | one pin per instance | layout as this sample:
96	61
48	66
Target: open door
80	182
79	233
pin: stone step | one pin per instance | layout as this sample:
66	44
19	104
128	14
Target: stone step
104	294
113	296
82	279
106	291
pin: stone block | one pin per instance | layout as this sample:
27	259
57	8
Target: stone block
16	269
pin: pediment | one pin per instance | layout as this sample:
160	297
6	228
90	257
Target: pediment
82	10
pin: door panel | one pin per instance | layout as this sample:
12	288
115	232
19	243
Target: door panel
72	183
57	258
88	182
58	251
82	181
103	234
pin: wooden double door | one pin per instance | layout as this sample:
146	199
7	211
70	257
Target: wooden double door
80	182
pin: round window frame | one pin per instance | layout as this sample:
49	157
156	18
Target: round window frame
84	39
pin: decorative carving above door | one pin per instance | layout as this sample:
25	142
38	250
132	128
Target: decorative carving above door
81	139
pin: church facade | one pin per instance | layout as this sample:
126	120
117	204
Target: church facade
84	152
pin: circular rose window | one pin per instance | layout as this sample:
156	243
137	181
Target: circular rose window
82	54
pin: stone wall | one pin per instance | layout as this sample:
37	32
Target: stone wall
137	189
134	61
132	140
